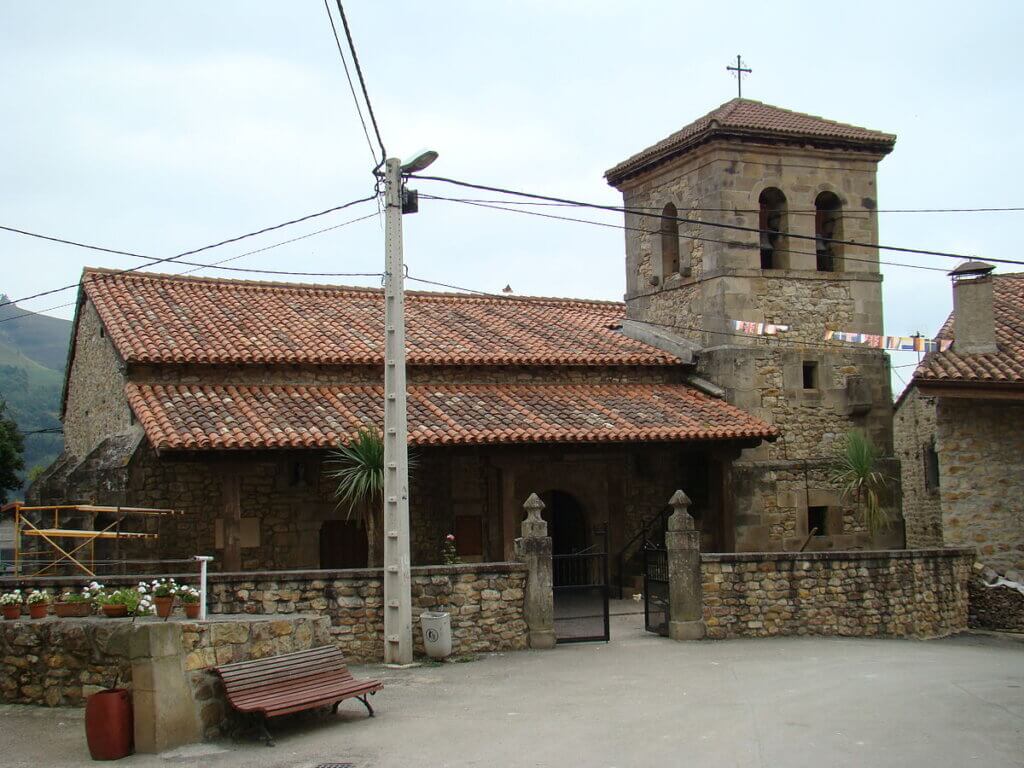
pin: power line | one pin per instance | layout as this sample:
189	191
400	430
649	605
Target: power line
362	81
698	238
808	211
216	265
695	329
351	86
160	260
700	222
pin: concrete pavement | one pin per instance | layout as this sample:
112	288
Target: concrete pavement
640	701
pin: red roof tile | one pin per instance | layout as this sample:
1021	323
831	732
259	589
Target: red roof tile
1003	367
198	417
170	319
745	116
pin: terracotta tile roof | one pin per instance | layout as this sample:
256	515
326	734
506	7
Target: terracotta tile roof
1003	367
155	318
199	417
744	116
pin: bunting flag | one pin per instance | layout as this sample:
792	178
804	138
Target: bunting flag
758	329
900	343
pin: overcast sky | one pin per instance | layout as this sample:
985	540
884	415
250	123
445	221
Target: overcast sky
159	127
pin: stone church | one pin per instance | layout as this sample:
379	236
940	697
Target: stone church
222	398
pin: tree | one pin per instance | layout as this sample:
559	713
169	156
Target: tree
861	480
12	448
358	470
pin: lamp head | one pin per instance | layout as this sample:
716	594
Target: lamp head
419	162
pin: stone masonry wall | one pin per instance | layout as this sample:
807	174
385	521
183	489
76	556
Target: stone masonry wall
96	407
485	603
914	430
999	608
905	593
982	478
58	662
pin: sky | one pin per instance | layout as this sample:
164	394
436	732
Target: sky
156	128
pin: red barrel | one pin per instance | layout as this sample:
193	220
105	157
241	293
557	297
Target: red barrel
109	727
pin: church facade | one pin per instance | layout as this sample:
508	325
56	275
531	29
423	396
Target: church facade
224	398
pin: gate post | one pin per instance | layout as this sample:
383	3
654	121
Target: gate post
534	549
685	590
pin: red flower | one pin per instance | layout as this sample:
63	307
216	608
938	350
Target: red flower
450	537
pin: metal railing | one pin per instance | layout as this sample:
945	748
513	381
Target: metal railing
641	537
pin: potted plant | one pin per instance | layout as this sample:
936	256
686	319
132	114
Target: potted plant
38	603
190	599
162	592
11	603
73	604
118	603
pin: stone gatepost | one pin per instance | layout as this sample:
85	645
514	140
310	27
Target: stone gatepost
534	549
165	715
685	590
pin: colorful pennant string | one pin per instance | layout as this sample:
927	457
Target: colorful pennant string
758	329
901	343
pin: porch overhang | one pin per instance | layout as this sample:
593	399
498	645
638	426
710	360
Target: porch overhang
195	417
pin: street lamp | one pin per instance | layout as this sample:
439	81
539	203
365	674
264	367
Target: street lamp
397	574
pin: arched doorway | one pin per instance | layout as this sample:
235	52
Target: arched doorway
567	522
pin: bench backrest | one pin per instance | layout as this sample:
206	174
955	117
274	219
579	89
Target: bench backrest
266	673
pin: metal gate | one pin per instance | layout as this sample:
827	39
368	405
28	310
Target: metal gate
655	589
581	593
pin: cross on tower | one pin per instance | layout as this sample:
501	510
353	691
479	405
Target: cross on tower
738	72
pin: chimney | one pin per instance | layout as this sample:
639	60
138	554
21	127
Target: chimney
974	326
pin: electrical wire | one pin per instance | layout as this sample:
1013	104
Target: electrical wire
362	81
156	260
351	86
698	238
700	222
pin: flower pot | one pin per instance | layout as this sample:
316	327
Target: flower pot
72	610
192	610
164	605
437	634
115	611
109	727
38	610
12	612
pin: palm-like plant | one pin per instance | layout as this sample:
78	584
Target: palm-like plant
358	470
858	474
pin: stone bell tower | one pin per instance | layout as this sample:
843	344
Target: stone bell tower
797	183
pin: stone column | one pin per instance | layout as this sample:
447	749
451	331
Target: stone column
534	549
685	591
165	715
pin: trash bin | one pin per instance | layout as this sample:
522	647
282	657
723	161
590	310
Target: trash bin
109	730
437	634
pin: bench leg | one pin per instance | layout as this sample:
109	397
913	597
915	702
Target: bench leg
366	702
265	732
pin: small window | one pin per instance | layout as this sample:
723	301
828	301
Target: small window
103	332
810	374
669	241
817	521
828	227
931	468
297	474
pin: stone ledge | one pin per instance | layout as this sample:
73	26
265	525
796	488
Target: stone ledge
845	555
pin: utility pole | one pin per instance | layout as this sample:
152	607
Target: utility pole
397	576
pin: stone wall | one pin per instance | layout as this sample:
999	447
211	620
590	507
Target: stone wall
998	608
906	593
225	640
485	602
914	432
57	663
980	444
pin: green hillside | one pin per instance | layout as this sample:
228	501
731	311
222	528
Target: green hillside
33	351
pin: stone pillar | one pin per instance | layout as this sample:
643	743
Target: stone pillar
685	591
534	549
165	715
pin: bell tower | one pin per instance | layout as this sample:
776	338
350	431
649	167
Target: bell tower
799	192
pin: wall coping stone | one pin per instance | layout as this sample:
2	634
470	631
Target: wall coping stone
847	555
300	574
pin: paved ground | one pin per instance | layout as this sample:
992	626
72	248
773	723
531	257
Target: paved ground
641	701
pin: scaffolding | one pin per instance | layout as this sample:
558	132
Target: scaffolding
81	552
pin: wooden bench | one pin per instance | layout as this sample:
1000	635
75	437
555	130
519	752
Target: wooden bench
293	682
